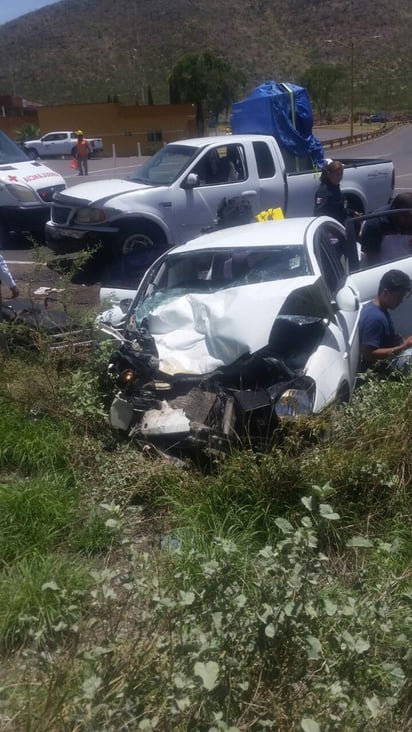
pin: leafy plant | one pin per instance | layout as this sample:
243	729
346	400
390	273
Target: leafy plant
28	131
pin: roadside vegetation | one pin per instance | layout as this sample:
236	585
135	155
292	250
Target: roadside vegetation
268	592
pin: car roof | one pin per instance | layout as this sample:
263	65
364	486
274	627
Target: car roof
284	232
217	139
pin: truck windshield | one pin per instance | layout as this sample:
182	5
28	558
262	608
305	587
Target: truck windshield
165	166
9	151
212	270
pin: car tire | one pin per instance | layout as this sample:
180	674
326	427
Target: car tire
32	153
134	237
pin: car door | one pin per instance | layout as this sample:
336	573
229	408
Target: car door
330	252
366	280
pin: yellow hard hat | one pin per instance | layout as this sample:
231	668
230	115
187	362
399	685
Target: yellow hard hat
79	132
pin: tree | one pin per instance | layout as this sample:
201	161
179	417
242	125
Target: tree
321	82
203	79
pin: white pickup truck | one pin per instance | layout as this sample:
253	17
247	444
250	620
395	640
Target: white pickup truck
26	190
175	195
55	144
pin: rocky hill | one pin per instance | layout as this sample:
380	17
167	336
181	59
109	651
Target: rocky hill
88	50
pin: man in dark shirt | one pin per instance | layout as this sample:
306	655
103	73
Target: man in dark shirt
378	340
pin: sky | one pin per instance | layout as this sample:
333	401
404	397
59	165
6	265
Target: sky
11	10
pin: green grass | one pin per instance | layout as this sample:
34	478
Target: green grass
135	594
34	515
30	443
41	597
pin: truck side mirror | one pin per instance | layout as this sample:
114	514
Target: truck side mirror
191	181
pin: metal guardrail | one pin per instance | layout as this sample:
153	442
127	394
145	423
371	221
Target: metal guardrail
360	136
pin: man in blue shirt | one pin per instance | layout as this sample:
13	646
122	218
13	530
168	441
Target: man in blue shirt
378	340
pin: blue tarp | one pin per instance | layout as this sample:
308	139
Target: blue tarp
282	110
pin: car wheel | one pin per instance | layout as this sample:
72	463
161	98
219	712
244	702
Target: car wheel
135	237
32	153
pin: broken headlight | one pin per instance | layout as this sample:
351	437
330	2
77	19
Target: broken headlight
296	402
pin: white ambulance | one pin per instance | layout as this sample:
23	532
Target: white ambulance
26	191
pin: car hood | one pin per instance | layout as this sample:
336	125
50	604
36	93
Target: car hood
198	333
30	173
103	189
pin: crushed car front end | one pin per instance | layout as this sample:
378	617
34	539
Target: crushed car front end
237	404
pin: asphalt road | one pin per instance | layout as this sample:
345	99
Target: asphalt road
395	145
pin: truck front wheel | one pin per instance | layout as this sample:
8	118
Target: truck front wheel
138	245
137	237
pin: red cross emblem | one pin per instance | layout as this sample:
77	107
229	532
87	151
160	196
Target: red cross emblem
12	178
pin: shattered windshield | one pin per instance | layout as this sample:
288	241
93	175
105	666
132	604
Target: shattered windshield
213	270
165	166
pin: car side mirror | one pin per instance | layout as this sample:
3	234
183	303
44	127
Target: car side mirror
192	181
347	300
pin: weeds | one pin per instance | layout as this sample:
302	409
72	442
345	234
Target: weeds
271	593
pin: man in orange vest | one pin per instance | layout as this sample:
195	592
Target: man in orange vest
82	150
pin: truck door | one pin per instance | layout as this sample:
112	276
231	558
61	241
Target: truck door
51	144
62	144
221	173
268	174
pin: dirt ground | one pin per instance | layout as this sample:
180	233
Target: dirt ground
31	277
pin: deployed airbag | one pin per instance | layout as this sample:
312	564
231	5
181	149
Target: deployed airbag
198	333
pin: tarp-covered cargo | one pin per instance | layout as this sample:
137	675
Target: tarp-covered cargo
282	110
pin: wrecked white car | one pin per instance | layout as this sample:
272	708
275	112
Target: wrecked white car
235	330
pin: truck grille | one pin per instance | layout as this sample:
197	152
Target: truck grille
46	194
60	214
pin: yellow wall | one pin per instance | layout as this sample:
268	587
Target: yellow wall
121	125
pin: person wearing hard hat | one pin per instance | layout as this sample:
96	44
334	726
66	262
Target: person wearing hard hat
81	154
